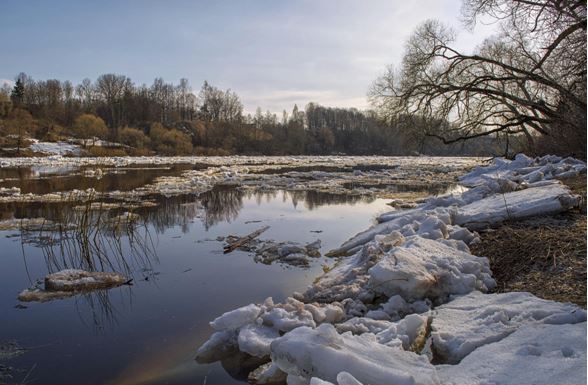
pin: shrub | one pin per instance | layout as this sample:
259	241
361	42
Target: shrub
134	137
88	126
169	141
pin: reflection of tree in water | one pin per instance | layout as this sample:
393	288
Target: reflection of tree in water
172	211
314	199
221	204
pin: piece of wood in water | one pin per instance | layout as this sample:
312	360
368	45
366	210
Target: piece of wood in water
244	240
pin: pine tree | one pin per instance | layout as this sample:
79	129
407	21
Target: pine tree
17	94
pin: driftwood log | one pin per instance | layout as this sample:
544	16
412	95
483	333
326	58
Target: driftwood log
244	240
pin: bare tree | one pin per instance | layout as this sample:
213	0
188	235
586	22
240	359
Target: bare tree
528	79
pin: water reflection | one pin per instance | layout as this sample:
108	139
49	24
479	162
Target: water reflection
47	179
221	204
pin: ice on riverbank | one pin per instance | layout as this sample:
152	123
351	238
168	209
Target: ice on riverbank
426	269
535	200
409	297
324	353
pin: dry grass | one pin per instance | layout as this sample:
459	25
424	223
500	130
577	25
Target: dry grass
545	255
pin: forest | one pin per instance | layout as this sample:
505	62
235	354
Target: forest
170	119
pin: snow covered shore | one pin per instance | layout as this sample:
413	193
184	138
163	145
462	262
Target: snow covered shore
406	303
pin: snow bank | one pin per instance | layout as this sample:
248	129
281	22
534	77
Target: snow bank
474	320
532	355
55	148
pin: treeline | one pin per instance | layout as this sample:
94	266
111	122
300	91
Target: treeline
170	119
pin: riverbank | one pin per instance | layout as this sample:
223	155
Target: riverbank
544	255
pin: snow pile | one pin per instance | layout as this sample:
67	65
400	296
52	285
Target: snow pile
55	148
418	255
66	283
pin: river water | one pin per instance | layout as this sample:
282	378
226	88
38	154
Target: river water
148	332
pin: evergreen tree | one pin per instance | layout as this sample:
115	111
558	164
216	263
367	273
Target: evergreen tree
17	94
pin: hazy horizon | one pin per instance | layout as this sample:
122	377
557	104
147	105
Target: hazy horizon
272	54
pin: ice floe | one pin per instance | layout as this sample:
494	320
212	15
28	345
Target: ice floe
69	282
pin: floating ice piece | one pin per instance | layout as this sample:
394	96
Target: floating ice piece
423	268
322	353
476	319
532	355
66	283
75	280
549	199
39	295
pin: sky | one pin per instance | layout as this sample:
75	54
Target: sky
272	53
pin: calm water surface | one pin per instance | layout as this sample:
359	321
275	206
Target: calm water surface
148	333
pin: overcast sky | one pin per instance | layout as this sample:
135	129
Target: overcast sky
272	53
